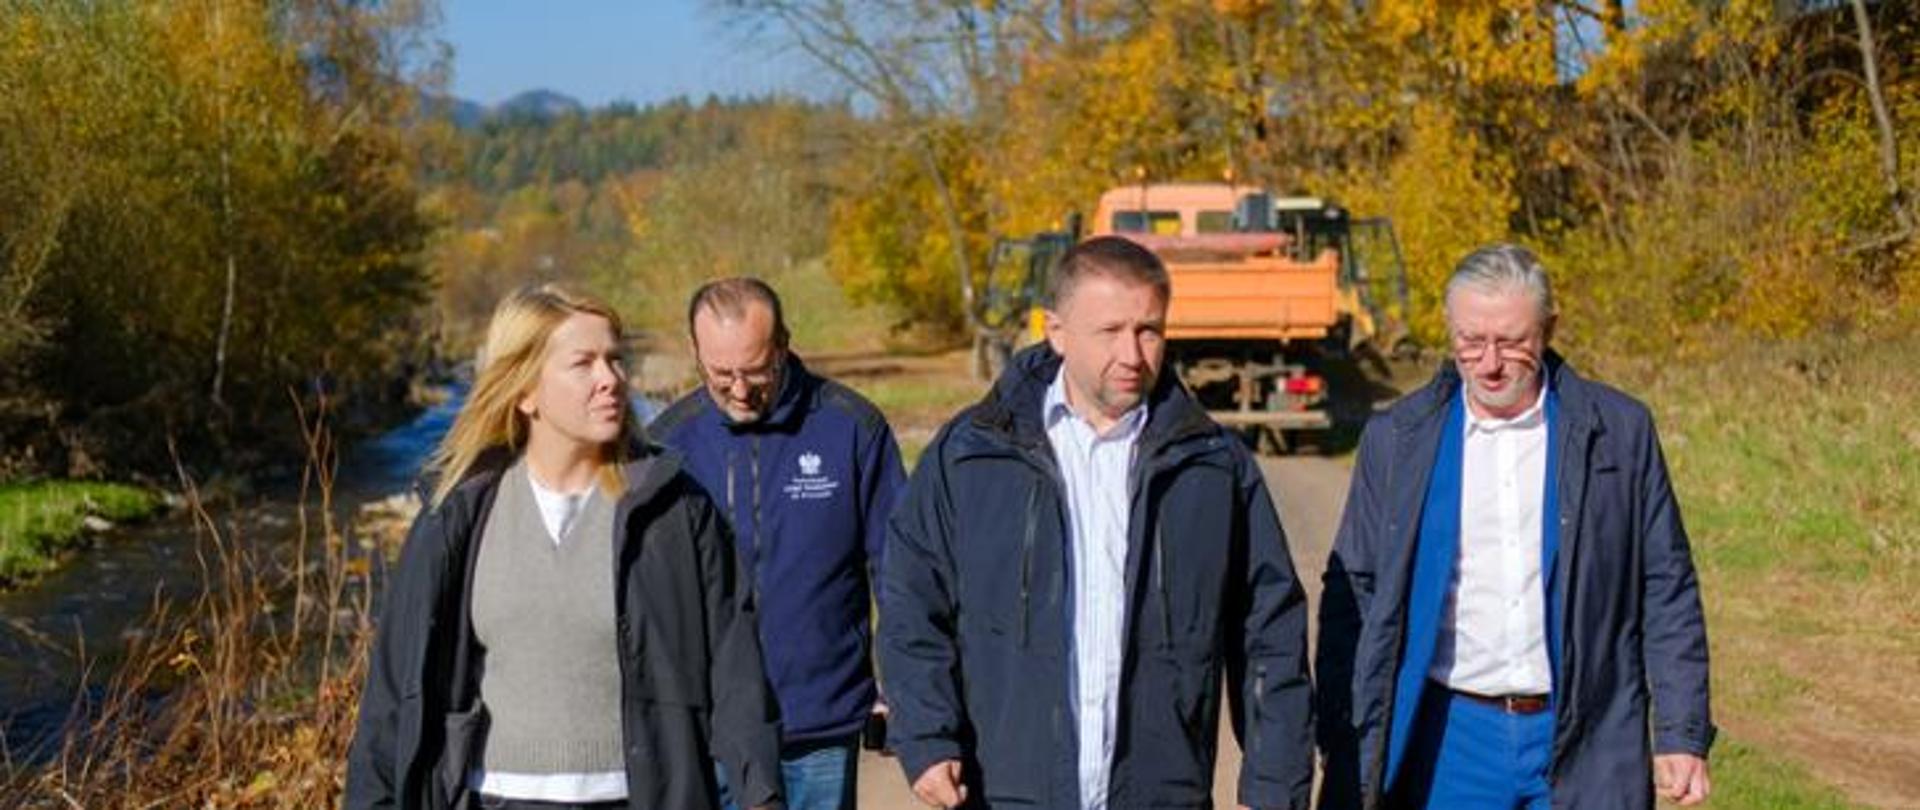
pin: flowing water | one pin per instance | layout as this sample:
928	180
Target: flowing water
60	638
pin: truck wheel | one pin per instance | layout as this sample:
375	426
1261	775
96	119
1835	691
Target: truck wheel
1269	441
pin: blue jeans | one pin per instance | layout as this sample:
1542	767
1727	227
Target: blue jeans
819	774
1468	754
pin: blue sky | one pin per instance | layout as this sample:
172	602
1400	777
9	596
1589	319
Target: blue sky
602	50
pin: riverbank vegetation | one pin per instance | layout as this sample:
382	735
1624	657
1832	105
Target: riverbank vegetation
42	520
207	205
242	697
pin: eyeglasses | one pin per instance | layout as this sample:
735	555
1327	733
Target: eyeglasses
753	377
1471	348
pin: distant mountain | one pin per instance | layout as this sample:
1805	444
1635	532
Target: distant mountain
539	104
466	113
534	104
463	113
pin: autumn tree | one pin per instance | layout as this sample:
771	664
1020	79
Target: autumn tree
1737	163
208	202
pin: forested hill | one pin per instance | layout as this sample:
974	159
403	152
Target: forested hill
545	137
636	203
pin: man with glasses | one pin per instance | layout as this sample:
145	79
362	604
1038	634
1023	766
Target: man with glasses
1511	583
806	471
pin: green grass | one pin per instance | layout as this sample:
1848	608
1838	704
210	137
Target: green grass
820	316
918	395
918	405
40	520
1816	473
1797	468
1746	777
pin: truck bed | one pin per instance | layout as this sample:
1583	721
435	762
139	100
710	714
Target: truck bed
1257	298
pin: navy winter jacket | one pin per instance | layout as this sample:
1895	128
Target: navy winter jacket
807	490
1626	600
975	638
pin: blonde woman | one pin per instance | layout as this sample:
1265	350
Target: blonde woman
566	627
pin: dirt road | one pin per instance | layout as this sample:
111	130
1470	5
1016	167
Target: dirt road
1310	493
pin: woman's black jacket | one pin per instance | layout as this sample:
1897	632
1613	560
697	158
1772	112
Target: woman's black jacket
692	685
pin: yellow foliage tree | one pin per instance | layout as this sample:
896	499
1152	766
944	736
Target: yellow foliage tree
1445	197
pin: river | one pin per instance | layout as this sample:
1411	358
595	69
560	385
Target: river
61	638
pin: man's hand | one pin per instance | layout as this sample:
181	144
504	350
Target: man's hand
1681	778
940	785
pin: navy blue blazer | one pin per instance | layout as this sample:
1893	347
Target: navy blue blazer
1628	632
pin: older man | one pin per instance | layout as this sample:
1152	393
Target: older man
1510	583
806	471
1079	558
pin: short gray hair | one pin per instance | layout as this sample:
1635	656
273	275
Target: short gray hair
1501	268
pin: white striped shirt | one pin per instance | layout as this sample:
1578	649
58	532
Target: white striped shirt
1094	469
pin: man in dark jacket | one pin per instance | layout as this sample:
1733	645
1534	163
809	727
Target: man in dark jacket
1079	558
1510	582
806	471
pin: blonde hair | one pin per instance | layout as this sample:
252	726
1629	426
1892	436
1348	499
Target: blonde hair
507	370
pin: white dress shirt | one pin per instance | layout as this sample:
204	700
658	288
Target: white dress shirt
1094	468
1493	634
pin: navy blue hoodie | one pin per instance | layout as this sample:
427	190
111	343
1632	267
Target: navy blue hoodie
808	490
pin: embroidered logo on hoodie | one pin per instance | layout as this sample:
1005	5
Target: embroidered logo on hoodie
810	485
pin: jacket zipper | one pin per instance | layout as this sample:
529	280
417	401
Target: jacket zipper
753	479
1026	563
1160	584
730	499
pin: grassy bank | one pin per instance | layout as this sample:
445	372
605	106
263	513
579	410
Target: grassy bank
1798	471
242	696
40	521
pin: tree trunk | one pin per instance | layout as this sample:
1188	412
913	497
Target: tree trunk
1883	121
226	218
956	230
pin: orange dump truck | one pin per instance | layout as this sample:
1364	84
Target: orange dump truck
1263	287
